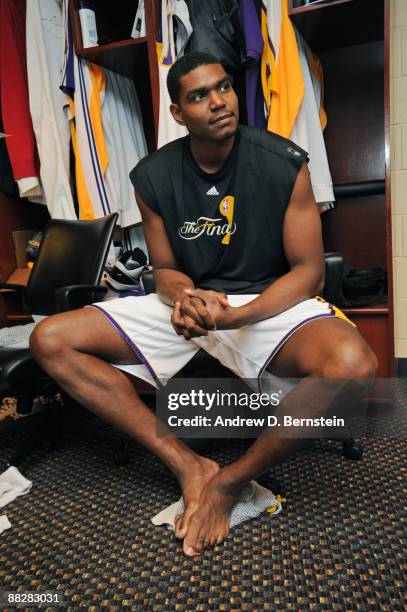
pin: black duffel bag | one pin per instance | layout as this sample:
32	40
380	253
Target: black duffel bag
346	286
365	287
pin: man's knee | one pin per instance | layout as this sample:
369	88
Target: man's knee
48	339
350	359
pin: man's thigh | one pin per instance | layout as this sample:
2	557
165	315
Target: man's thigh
317	344
89	331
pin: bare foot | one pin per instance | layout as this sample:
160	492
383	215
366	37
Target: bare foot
199	473
209	524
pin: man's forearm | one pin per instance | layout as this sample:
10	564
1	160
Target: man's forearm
301	283
170	284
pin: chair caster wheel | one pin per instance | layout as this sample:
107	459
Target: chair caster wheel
121	458
352	450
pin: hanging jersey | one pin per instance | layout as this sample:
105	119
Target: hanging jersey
169	47
107	136
283	85
14	97
216	30
85	84
126	144
7	182
250	18
44	32
307	131
139	26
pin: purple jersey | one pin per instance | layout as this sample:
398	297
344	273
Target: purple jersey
250	19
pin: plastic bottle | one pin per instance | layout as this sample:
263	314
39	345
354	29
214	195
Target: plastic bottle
88	23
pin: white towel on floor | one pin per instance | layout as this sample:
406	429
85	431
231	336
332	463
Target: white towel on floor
12	485
4	523
253	500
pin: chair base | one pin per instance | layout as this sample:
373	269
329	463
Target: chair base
352	450
58	417
46	427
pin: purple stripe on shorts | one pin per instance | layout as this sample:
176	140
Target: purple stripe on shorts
130	343
290	333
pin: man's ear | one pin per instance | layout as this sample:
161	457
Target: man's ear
177	114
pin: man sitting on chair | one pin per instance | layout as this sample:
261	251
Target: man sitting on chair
234	237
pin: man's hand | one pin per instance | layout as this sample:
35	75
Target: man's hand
191	317
224	315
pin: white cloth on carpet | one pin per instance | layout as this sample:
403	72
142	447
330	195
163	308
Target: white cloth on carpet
4	523
12	485
252	502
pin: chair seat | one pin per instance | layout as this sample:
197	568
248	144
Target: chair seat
203	365
18	368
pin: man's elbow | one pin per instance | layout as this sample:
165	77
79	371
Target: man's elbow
315	279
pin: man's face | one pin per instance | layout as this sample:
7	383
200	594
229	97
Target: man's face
207	105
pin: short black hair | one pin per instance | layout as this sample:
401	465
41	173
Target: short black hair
183	66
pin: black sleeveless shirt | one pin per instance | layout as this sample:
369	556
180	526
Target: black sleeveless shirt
226	229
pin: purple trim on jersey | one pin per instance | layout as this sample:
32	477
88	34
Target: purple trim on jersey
167	61
130	342
270	43
91	139
290	333
251	58
68	81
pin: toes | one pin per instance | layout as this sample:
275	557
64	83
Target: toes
200	544
192	541
177	525
184	520
190	551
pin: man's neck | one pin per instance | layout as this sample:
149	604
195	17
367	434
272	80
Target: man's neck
210	156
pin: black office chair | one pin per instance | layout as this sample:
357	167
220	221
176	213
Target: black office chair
203	365
65	276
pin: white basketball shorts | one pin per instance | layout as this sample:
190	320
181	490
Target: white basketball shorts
145	324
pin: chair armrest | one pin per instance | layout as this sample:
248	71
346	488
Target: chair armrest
12	287
147	279
332	291
76	296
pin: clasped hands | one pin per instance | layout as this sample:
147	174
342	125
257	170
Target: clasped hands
197	312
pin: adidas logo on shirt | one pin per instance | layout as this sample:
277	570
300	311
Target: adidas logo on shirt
212	191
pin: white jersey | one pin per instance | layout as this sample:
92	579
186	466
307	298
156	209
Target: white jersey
139	26
107	136
307	133
44	33
125	141
168	49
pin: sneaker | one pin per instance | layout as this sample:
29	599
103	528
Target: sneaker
126	272
33	246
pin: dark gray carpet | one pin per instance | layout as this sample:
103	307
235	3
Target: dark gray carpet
85	530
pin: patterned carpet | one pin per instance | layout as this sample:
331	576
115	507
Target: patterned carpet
84	530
